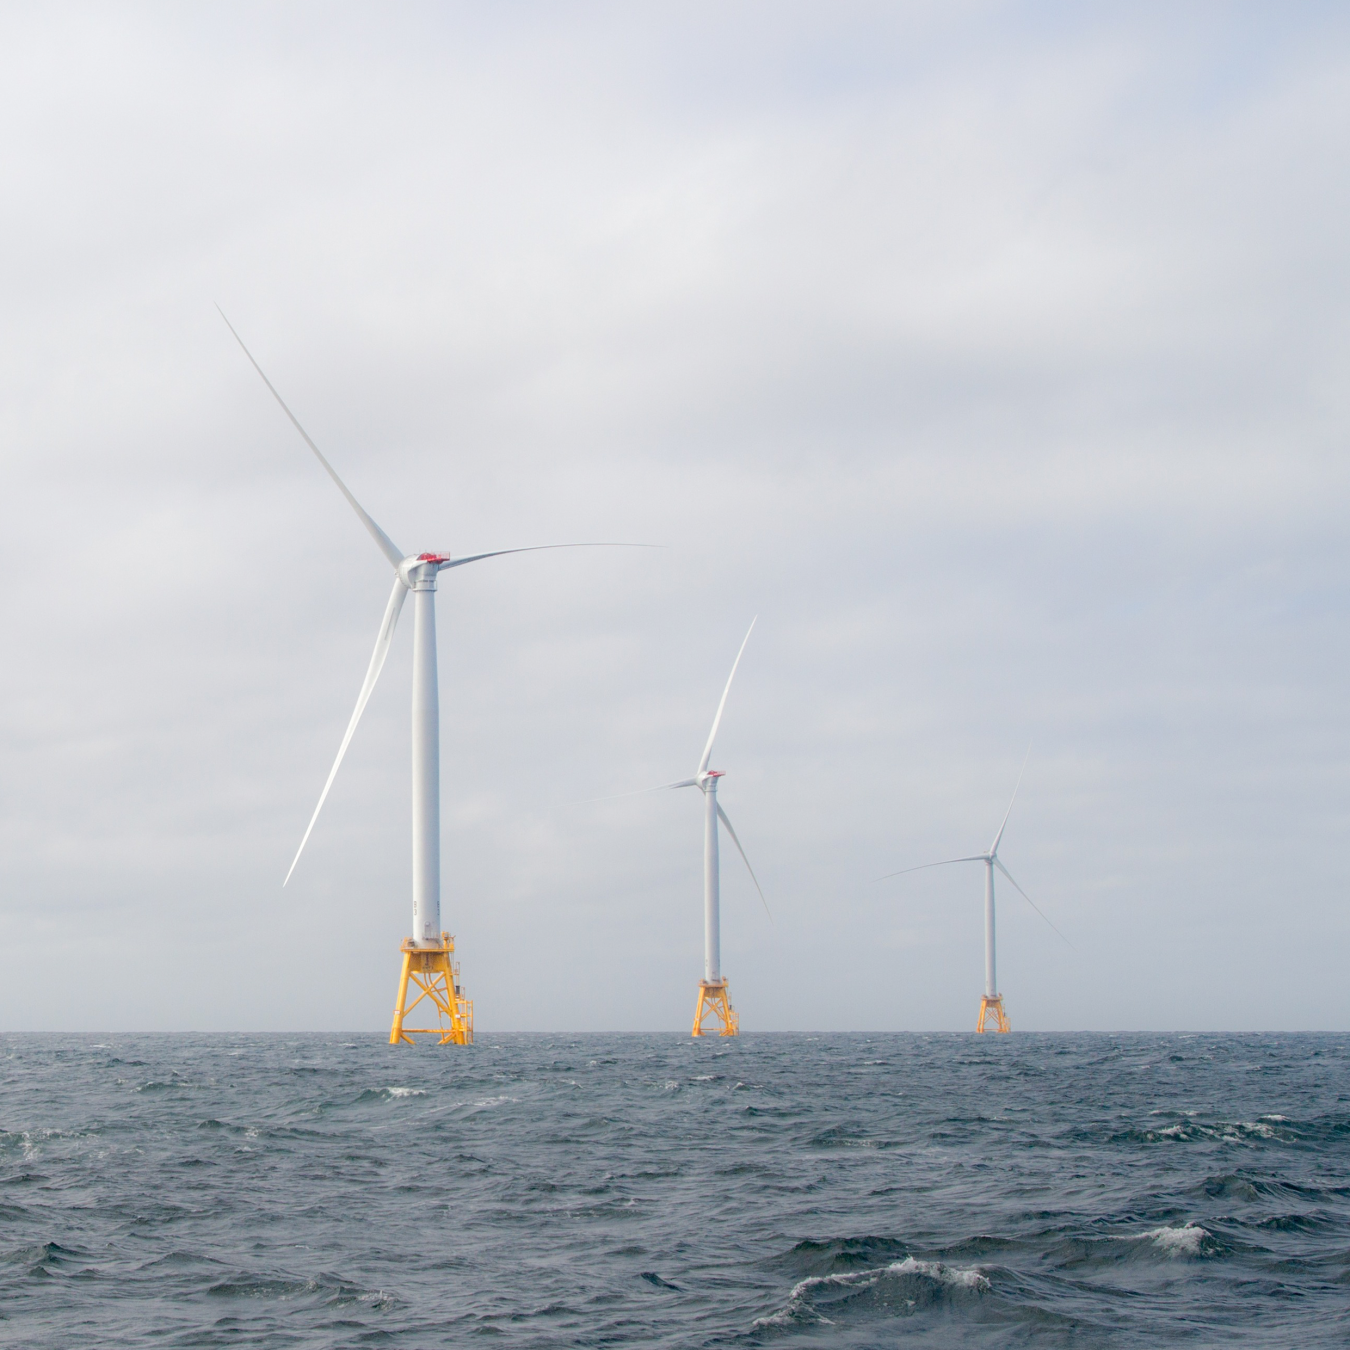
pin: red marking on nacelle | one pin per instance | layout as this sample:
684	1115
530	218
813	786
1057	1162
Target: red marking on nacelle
433	557
715	773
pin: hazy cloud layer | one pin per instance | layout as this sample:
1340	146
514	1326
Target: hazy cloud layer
994	355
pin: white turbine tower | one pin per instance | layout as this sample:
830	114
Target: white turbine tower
427	955
991	1005
713	997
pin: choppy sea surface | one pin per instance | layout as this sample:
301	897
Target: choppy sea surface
793	1191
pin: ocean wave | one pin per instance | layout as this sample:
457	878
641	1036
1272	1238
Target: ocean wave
1236	1186
900	1289
1190	1130
831	1256
390	1094
846	1136
1189	1127
1188	1240
1318	1221
212	1124
1122	1249
654	1279
468	1106
330	1290
177	1260
25	1179
27	1143
44	1258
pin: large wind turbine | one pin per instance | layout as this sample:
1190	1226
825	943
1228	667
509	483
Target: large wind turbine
427	955
991	1005
713	997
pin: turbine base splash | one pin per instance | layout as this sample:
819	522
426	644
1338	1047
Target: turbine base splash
714	1008
991	1010
435	978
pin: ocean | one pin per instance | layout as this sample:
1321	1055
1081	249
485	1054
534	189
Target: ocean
651	1190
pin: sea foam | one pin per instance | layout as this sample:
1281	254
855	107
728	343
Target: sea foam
1188	1240
934	1275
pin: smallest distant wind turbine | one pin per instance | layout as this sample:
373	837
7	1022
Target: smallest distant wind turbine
991	1005
714	999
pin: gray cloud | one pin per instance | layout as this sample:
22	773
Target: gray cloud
992	354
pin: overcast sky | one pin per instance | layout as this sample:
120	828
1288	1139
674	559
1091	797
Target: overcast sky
994	355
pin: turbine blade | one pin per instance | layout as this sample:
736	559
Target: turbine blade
946	862
387	545
638	792
717	721
994	847
533	548
386	636
1029	900
722	816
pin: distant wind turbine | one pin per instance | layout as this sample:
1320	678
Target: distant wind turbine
991	1005
427	954
714	999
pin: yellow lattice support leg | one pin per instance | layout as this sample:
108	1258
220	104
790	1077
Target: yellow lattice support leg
714	1001
435	977
396	1031
991	1009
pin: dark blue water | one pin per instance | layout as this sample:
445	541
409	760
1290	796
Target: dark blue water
650	1190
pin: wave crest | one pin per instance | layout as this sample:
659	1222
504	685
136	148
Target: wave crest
1188	1240
390	1094
901	1288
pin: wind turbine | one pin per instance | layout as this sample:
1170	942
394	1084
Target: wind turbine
713	997
991	1005
427	954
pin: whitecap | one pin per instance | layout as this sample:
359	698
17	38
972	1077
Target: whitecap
1247	1127
786	1318
962	1277
799	1310
406	1092
1184	1241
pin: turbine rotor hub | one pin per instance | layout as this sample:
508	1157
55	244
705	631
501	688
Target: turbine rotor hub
418	572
